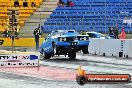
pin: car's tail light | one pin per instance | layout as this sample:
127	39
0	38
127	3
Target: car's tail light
62	39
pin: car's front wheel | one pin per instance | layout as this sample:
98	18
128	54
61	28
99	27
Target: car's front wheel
45	55
85	50
72	55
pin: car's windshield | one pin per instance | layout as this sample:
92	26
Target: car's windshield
58	33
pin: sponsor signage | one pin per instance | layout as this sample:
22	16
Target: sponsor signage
83	78
18	60
103	78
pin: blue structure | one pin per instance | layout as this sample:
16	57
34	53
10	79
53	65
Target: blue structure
91	15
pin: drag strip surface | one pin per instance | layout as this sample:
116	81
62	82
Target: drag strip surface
8	80
93	64
63	66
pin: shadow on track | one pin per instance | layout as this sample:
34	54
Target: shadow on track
64	59
84	62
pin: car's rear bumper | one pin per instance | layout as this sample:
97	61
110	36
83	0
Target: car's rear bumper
70	48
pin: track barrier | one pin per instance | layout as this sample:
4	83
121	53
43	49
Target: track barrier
111	47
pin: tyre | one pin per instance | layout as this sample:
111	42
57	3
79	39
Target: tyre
81	80
85	50
72	55
46	56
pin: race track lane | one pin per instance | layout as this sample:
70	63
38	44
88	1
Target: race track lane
92	64
8	80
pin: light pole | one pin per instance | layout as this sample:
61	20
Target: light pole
13	32
105	16
40	19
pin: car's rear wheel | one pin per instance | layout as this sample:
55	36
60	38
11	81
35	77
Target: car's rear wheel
72	55
85	50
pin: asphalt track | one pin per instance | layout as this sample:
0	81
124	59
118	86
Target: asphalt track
62	65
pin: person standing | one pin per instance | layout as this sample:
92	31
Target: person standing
37	32
25	3
16	3
61	3
123	34
33	4
68	3
116	32
71	4
111	33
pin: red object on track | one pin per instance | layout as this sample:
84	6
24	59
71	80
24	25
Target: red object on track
52	73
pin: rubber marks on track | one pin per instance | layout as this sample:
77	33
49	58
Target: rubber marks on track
53	73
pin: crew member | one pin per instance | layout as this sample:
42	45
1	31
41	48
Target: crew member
37	33
116	32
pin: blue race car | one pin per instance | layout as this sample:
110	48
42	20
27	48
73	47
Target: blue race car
64	42
94	34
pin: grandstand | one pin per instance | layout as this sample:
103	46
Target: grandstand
97	15
25	14
38	17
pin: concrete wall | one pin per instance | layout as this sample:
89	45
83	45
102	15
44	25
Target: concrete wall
111	47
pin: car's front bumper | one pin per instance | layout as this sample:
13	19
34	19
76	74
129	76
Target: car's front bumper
77	43
71	46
